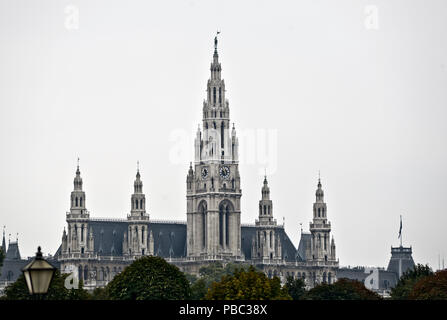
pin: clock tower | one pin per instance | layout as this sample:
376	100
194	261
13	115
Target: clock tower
213	181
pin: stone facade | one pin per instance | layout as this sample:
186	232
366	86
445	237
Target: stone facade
97	249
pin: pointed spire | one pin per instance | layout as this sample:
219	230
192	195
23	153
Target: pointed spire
265	189
77	180
138	170
138	184
319	193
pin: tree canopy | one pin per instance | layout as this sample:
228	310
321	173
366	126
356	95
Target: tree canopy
149	278
296	288
407	281
57	291
247	285
209	274
432	287
343	289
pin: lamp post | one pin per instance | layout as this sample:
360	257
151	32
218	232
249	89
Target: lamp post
38	274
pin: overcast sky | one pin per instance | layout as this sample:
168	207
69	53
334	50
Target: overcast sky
356	89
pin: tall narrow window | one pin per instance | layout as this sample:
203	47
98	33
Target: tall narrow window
80	200
222	130
76	201
214	95
220	95
227	226
204	226
142	234
136	204
221	222
141	204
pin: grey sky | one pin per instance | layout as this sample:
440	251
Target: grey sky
366	107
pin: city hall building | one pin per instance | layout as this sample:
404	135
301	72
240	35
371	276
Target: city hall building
97	249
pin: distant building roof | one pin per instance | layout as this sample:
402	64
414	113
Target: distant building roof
13	252
401	260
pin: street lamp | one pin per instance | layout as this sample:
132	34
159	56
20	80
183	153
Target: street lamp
38	274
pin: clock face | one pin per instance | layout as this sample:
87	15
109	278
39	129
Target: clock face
204	173
224	172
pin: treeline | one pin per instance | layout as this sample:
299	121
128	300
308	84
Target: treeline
152	278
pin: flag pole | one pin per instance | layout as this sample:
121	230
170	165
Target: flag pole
401	230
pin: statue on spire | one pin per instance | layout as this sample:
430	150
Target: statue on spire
215	40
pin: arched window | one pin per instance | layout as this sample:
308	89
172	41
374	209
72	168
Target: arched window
325	240
265	209
318	211
220	95
80	201
76	201
329	278
80	272
271	239
141	204
142	234
136	204
82	234
214	95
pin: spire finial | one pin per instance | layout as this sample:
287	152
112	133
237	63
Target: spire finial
78	163
138	166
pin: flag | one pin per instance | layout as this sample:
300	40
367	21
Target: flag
400	228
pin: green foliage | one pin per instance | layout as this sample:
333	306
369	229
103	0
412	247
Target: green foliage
209	274
247	285
199	289
406	283
432	287
57	291
296	288
100	294
343	289
149	278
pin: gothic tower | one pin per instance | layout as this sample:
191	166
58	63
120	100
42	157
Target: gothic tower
136	239
213	184
322	249
266	244
76	240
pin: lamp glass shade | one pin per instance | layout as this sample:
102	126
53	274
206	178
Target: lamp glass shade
38	275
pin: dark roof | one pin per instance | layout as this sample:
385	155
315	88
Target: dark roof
169	238
12	269
403	254
303	246
13	252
